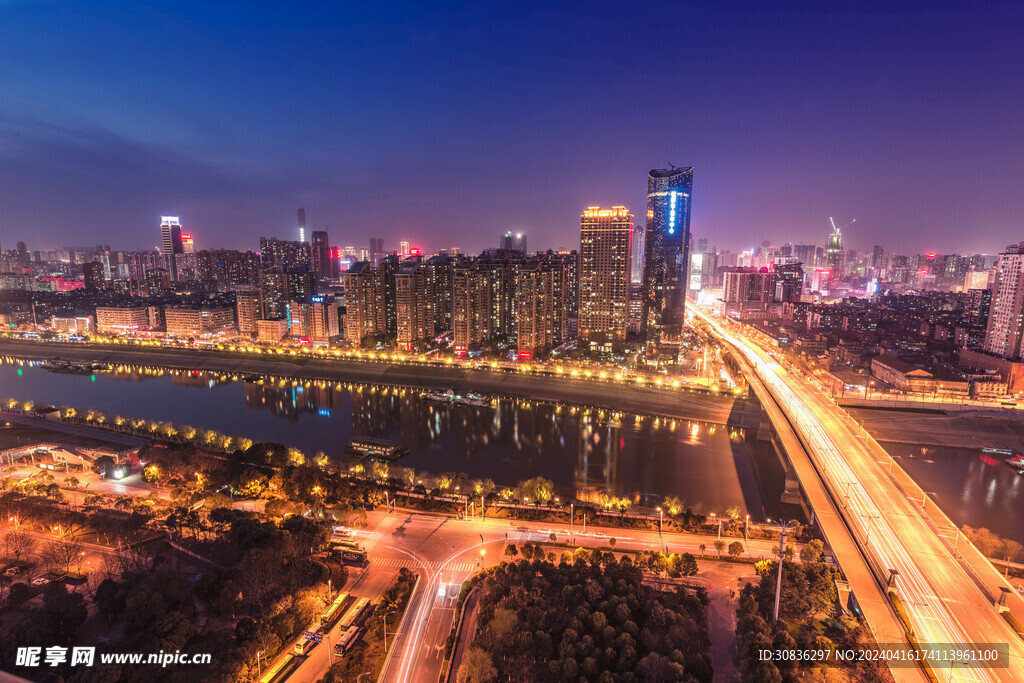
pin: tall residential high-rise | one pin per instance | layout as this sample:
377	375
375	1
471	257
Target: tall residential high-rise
171	246
291	255
276	287
188	246
789	281
249	308
414	304
472	322
403	249
320	254
302	225
534	309
364	305
878	256
513	242
1005	331
666	259
92	276
605	251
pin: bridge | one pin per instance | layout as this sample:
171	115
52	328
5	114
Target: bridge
885	541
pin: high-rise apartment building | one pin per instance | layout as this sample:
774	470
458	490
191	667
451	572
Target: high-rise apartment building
1005	330
249	308
291	255
171	246
403	249
666	259
364	304
534	309
188	245
440	270
414	304
324	319
472	321
605	253
745	285
92	276
789	281
276	289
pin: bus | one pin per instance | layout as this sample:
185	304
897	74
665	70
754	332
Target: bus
356	614
333	612
275	671
351	556
342	543
350	638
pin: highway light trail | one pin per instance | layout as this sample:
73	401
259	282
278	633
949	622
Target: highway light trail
931	619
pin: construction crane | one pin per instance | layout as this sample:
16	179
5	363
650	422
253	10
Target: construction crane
835	229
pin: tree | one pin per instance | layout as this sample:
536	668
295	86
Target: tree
813	551
702	548
554	537
688	565
719	546
611	542
476	667
735	550
62	552
511	551
18	543
1010	550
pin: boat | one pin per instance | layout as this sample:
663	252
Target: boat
67	367
450	397
1016	462
997	451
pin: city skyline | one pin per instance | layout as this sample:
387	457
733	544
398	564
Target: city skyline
392	144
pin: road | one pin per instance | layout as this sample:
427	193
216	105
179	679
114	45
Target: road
943	600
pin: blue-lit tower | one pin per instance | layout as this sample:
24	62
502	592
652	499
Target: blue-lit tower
667	258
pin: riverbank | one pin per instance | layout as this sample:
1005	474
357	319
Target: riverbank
680	404
956	430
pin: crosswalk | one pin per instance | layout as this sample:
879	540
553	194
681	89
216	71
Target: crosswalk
406	562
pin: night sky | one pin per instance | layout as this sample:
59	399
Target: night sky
448	126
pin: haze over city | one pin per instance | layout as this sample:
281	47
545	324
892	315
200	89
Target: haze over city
451	124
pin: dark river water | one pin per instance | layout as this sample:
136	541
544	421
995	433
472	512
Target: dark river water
710	467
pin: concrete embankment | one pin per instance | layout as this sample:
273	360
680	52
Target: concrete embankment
958	430
681	404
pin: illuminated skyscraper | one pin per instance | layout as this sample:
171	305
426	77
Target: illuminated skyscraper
302	225
605	251
666	259
320	252
834	255
1005	334
170	238
187	245
515	242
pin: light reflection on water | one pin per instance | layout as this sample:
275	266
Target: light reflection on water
578	448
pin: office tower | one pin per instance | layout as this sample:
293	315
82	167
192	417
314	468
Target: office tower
276	287
171	246
789	281
513	242
403	249
364	304
291	255
92	276
636	265
187	244
695	273
1006	315
878	257
414	305
666	259
320	253
302	225
834	254
471	307
249	307
605	251
534	309
978	307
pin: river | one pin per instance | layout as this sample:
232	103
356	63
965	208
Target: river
711	467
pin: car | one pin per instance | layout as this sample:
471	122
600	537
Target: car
13	571
41	581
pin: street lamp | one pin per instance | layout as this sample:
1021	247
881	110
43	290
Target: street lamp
384	626
259	667
782	549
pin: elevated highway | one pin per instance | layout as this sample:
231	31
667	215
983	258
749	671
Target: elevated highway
881	537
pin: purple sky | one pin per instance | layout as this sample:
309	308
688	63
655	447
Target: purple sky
449	126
